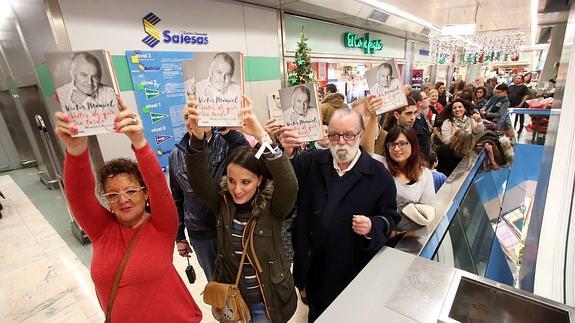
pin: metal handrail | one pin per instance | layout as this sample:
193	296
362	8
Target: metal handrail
451	194
448	198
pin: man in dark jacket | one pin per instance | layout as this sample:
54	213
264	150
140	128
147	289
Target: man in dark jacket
331	102
193	213
422	126
346	211
494	109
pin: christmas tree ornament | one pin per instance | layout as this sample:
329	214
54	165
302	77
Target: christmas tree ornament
302	73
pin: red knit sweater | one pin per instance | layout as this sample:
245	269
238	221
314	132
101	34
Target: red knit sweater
150	289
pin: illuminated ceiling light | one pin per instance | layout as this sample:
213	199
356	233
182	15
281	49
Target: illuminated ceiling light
399	13
458	30
5	9
534	21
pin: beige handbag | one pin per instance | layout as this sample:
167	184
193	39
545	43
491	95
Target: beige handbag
226	299
421	214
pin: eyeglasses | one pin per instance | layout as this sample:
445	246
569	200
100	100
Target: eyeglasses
402	145
113	197
346	136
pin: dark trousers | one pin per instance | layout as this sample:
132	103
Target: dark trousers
314	312
521	119
206	253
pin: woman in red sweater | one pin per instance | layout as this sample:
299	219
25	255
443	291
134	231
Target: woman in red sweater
139	204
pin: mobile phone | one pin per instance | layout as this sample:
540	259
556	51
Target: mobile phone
191	273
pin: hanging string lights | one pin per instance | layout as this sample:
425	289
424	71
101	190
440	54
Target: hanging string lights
491	46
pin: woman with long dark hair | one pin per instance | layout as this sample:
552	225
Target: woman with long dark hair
440	87
413	180
480	97
250	204
459	116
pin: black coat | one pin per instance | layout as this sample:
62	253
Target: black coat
423	136
328	254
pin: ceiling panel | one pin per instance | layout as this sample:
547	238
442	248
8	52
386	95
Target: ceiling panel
36	28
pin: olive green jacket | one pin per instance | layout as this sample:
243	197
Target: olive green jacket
271	205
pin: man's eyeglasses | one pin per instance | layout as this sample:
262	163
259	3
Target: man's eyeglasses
346	136
113	197
401	144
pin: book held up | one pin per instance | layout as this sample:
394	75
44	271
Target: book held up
274	107
384	81
301	110
86	86
216	80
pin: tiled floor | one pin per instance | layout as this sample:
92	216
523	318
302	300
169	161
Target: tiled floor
52	206
42	280
44	268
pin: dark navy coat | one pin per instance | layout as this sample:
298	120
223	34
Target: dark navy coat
328	254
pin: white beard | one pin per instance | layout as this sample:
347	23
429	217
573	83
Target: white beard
341	156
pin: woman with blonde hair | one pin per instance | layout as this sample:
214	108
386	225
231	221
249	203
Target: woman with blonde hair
449	155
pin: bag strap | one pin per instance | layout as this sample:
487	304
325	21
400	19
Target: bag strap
118	276
251	243
251	233
239	274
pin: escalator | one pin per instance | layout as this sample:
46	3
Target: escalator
467	263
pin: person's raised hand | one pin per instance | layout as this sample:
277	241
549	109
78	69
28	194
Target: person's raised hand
65	130
192	117
273	128
289	140
128	123
374	104
251	126
476	116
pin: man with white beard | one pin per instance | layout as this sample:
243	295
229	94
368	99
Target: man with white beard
346	211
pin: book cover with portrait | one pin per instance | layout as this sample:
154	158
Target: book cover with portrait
86	86
216	79
274	107
384	81
300	109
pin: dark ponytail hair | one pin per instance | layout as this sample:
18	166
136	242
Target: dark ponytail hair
246	157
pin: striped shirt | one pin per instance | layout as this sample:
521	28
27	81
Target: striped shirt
252	293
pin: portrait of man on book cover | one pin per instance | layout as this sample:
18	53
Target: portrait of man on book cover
215	80
383	81
220	81
86	84
300	110
386	80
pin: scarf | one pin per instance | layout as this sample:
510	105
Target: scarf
462	124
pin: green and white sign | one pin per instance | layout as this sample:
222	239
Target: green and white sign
369	46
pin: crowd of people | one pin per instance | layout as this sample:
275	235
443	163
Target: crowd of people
369	182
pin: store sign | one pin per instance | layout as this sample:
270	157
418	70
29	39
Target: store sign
417	77
153	37
369	46
424	52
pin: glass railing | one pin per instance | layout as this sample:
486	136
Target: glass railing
484	212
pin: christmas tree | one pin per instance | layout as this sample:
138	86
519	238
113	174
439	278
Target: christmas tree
302	73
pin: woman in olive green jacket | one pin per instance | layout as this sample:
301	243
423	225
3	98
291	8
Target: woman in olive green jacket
248	200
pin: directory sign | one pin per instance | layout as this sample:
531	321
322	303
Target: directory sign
159	88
